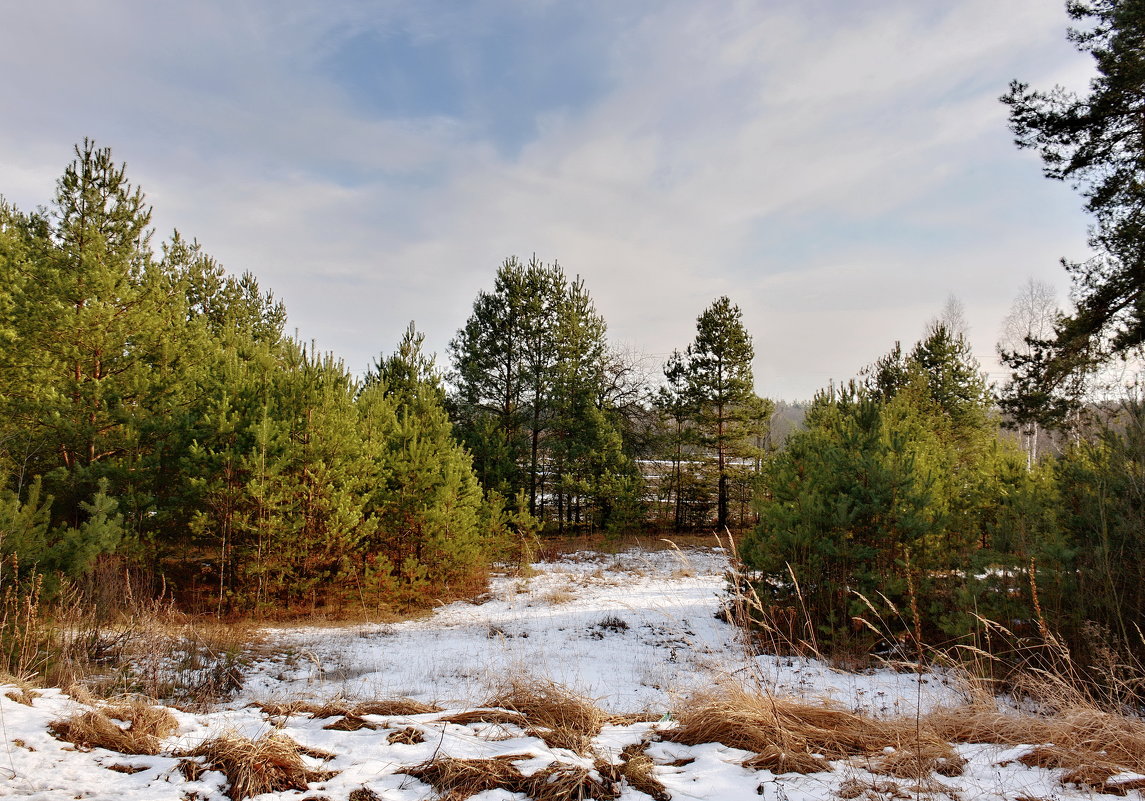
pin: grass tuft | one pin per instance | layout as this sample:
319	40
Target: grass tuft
350	723
407	736
638	771
789	736
461	778
553	713
271	764
564	782
22	695
145	727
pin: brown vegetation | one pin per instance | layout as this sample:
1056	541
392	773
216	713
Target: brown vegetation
393	707
793	737
407	736
1089	744
146	726
457	779
271	764
638	770
552	712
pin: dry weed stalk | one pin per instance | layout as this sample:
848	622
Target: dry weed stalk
553	713
147	725
765	627
271	764
25	638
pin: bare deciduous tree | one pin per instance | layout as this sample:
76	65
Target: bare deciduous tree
1031	318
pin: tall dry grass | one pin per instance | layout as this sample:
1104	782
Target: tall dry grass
109	635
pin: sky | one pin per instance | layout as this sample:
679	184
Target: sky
837	169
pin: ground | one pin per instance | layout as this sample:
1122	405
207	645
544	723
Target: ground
628	642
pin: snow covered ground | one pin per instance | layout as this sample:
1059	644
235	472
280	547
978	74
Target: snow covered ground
632	630
635	631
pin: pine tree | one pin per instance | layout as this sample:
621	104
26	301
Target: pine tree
427	503
530	370
720	383
674	401
489	360
1095	142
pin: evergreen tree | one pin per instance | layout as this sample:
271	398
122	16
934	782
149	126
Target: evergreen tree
430	514
531	368
674	402
721	385
490	378
1094	141
893	483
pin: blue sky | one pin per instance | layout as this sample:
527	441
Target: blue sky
838	169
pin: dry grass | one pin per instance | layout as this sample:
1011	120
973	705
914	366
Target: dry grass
128	770
926	755
271	764
790	736
1090	745
461	778
499	716
457	779
146	727
563	782
561	595
638	771
363	794
22	695
393	707
879	790
350	723
407	736
553	713
111	633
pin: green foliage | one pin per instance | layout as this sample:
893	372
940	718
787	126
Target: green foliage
29	540
710	403
844	504
150	405
899	489
1102	489
534	398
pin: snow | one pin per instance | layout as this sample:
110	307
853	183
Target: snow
636	631
633	631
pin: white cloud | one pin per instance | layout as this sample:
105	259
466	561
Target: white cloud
716	121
